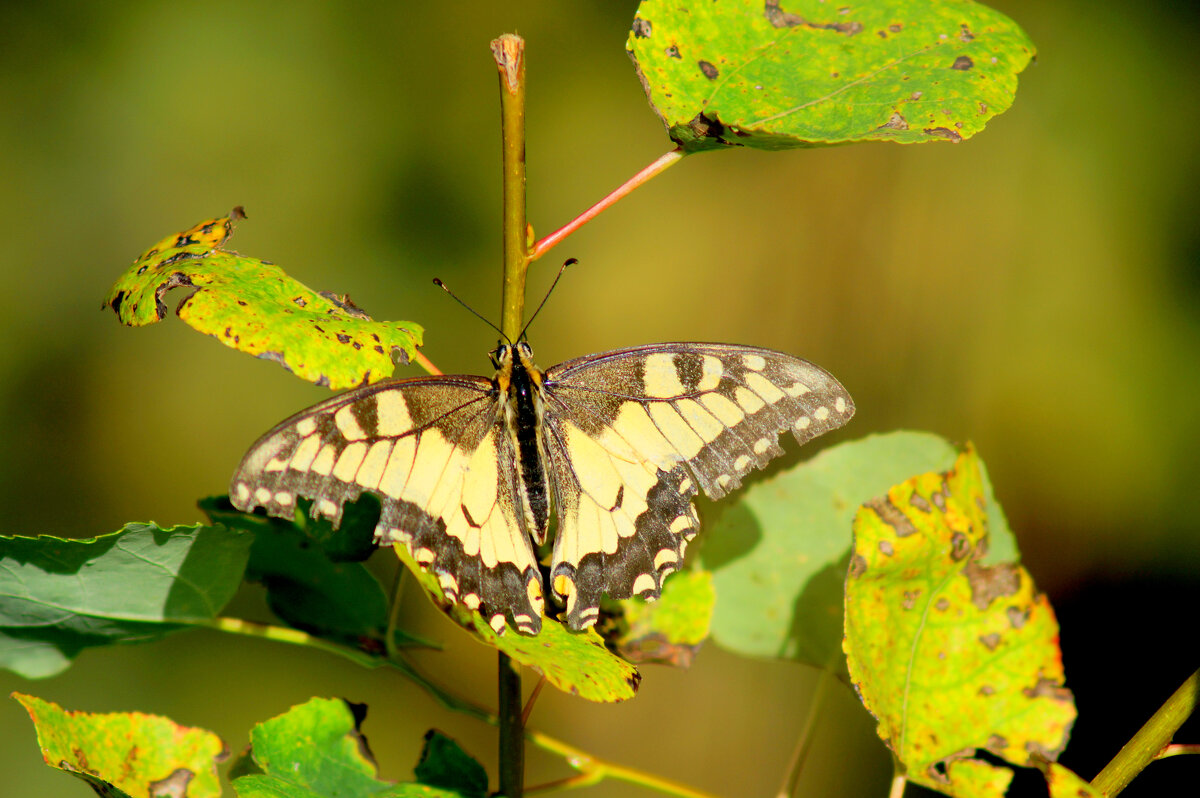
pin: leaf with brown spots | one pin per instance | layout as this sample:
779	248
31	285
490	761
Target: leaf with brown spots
253	306
775	74
779	552
127	753
951	655
574	662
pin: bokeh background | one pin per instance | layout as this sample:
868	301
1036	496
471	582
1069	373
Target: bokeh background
1035	289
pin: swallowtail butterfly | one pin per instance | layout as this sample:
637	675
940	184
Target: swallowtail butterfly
615	445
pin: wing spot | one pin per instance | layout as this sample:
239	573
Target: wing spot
262	495
644	584
677	526
497	623
243	493
748	399
666	556
840	404
724	481
762	446
471	600
661	376
283	498
327	508
742	463
821	413
564	588
306	426
534	592
348	424
804	422
424	555
754	362
391	413
394	535
685	486
797	389
449	585
763	387
711	372
275	464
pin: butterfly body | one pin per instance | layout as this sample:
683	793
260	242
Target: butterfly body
615	446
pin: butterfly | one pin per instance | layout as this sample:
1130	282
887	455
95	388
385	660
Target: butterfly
470	470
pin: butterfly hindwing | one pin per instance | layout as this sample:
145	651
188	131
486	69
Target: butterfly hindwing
633	435
433	450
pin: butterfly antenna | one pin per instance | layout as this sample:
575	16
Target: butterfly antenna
477	314
561	269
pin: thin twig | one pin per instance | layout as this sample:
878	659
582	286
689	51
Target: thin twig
533	696
425	363
656	168
803	743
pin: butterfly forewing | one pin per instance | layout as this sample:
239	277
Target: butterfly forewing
634	434
435	453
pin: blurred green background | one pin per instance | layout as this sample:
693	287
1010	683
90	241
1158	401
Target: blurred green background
1035	289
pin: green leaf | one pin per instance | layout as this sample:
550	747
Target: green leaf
668	631
574	662
446	765
128	754
253	306
60	596
775	74
316	750
929	626
779	554
306	588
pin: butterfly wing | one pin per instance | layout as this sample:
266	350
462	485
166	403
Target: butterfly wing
633	435
435	453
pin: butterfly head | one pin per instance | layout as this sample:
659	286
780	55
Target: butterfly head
514	365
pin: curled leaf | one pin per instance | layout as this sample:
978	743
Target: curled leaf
253	306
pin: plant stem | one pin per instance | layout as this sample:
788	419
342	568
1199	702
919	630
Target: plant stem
796	765
509	52
593	769
283	634
656	168
1145	746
